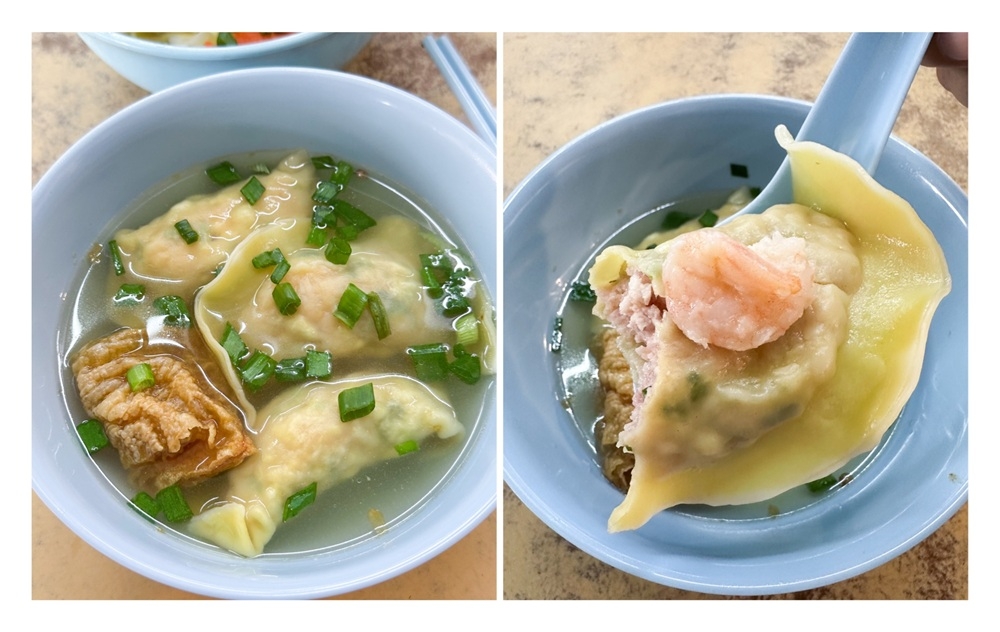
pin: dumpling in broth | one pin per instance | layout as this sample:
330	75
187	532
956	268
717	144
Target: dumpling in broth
303	441
156	255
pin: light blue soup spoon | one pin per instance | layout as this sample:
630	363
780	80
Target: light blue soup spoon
857	107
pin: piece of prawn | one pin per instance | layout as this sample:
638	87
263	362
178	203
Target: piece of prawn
721	292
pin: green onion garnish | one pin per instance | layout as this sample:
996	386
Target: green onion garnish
674	219
379	317
286	298
338	251
406	447
431	282
257	370
465	366
351	304
318	364
175	310
260	168
280	271
342	173
582	292
223	173
430	361
252	190
317	236
290	370
323	216
130	293
116	257
140	377
352	215
267	259
188	234
92	434
356	402
233	344
299	501
822	484
325	192
323	162
708	219
347	232
171	501
225	39
467	329
146	504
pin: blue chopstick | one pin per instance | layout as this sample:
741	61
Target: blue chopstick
470	95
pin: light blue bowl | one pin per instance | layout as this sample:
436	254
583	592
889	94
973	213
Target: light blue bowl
388	131
154	66
911	484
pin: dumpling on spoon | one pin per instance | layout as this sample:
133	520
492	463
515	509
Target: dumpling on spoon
768	352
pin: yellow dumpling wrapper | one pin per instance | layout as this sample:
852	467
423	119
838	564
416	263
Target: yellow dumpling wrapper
904	278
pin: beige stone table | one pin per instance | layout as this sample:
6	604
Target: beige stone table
555	87
72	91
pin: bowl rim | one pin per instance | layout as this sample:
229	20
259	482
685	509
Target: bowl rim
482	495
536	501
205	53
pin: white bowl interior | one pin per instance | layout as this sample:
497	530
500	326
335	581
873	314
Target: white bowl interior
583	194
389	132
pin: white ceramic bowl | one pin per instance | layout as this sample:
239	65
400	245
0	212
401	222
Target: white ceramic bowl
388	131
565	210
154	66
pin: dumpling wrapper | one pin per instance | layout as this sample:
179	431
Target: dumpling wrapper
156	255
384	260
904	278
303	441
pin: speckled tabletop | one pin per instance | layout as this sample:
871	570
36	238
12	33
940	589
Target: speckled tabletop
557	86
72	91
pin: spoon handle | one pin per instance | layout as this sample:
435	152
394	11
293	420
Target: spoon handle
858	105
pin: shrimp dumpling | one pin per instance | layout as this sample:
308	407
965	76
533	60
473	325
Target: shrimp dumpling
156	255
768	352
303	441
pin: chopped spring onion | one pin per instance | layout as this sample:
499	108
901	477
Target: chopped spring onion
267	259
379	317
466	366
171	501
223	173
352	215
430	361
130	293
406	447
187	233
233	344
347	232
290	370
708	219
286	298
116	257
323	162
325	192
431	282
338	251
92	434
317	236
582	292
356	402
299	501
823	484
318	364
146	504
252	190
739	171
140	377
323	216
351	304
257	370
280	271
260	168
674	219
467	329
225	39
175	310
342	173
